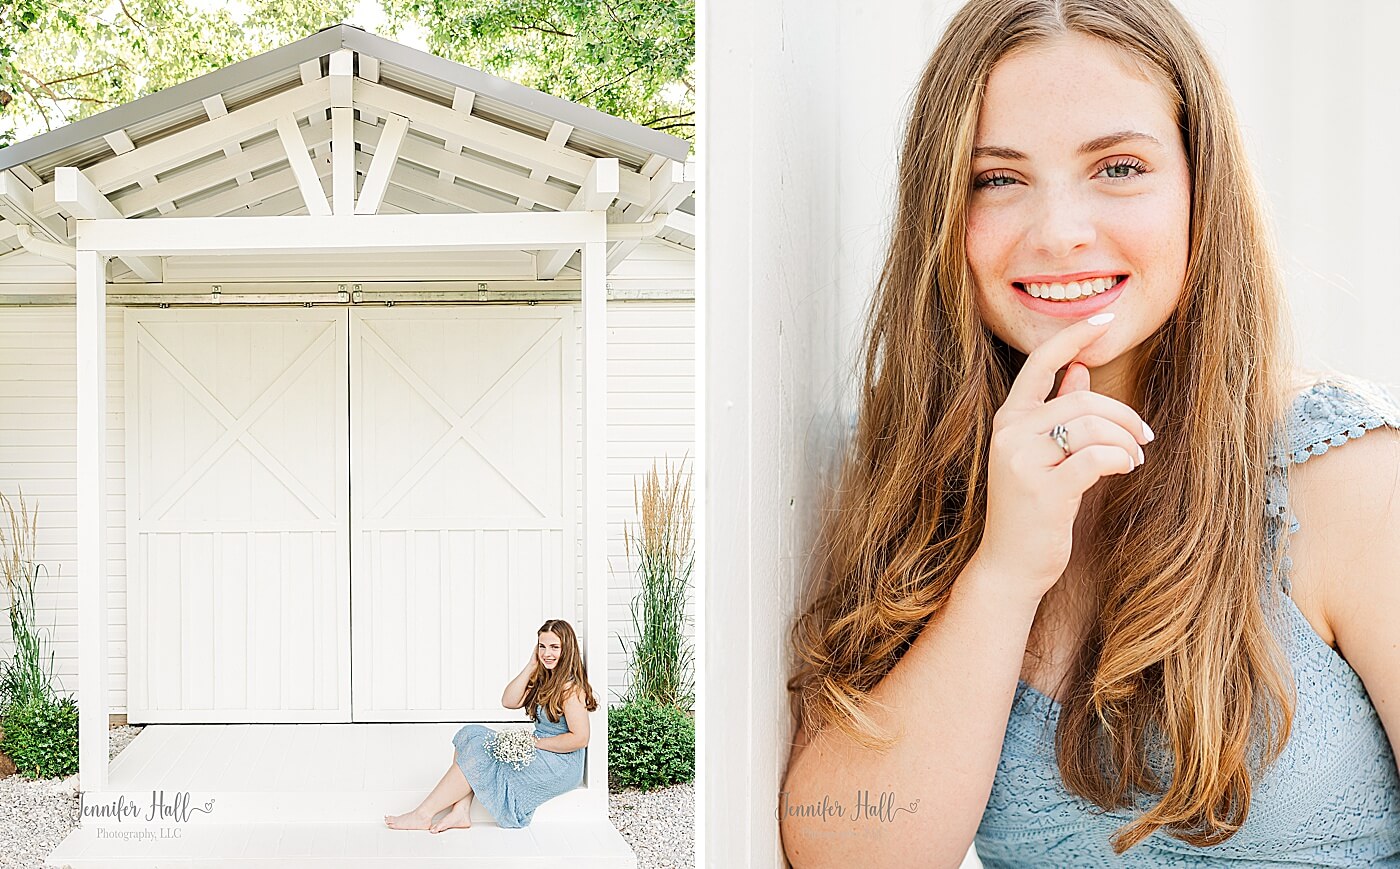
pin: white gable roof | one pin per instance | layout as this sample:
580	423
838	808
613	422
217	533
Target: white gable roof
470	142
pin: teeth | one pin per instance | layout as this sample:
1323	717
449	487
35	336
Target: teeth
1072	290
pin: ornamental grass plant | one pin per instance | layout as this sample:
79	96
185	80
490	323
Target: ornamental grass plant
660	657
40	730
24	678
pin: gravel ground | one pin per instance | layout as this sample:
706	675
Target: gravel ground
660	826
36	815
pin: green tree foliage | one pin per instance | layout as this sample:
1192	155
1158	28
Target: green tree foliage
62	60
630	58
17	17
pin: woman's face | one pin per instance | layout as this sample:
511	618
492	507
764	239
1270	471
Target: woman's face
549	648
1079	176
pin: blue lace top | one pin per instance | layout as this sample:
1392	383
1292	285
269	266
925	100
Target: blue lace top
1333	796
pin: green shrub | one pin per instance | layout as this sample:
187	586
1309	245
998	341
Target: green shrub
650	745
41	737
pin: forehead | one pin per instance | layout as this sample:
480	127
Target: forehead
549	637
1068	90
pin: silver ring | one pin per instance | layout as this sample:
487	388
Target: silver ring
1059	434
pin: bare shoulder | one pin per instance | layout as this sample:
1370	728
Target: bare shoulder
1347	502
575	695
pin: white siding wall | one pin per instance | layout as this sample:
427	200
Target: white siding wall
38	448
651	416
651	386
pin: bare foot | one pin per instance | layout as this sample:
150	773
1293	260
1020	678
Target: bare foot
458	816
409	821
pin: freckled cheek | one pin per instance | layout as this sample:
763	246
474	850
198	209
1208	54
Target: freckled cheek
1153	234
991	238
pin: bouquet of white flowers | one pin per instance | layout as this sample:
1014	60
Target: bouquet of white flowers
515	746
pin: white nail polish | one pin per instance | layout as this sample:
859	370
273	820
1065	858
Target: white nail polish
1100	319
1147	431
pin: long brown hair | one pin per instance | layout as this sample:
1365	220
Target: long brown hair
550	688
1181	653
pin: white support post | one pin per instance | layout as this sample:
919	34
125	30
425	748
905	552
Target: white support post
300	161
73	191
342	160
595	506
596	194
342	132
92	520
386	154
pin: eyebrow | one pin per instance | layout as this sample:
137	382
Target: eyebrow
1088	147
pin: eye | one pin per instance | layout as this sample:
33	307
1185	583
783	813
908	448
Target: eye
1114	169
992	179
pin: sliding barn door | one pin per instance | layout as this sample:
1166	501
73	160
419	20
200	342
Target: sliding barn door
463	467
237	515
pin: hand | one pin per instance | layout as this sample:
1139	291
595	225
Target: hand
1033	490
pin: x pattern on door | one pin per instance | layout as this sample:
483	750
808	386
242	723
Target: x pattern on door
460	424
237	428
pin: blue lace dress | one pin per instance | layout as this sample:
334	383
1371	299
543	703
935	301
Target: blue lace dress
512	795
1333	796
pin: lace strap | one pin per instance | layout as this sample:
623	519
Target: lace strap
1327	414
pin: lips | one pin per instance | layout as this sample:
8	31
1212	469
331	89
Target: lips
1076	309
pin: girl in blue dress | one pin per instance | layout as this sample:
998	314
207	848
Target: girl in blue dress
1036	623
554	687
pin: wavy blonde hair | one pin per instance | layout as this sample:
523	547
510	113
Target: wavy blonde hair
550	688
1181	654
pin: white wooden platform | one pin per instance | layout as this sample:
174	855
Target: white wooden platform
313	795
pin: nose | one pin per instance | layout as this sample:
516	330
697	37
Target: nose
1061	223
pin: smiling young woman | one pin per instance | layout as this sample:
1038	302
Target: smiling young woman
1081	649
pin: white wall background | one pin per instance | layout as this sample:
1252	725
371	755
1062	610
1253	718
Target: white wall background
802	109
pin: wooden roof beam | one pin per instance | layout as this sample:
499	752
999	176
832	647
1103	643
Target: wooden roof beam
83	200
386	155
668	188
214	108
485	174
343	131
451	193
17	206
237	126
462	102
597	193
192	181
371	233
120	143
496	140
559	133
681	221
369	67
299	158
